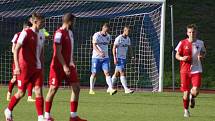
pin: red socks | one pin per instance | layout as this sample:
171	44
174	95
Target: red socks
73	106
48	106
12	103
30	87
39	105
10	86
186	103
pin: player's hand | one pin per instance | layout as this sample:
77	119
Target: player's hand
13	79
73	65
115	61
102	54
184	58
66	70
16	71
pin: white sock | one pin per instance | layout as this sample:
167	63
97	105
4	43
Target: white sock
47	115
114	79
8	111
124	82
92	82
73	114
109	82
40	118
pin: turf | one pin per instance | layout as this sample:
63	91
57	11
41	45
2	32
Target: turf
141	106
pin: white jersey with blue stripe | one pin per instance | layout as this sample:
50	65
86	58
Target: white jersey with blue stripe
102	42
122	44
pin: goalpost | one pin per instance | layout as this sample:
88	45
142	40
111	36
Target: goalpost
146	19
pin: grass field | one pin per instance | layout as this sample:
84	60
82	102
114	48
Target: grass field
141	106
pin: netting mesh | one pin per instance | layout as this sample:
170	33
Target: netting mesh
143	18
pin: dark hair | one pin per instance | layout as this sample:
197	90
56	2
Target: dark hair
68	17
192	26
27	23
126	26
106	25
35	16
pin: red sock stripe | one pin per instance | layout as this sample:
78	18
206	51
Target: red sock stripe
39	103
73	106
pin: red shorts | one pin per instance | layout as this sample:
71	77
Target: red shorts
188	79
57	75
34	76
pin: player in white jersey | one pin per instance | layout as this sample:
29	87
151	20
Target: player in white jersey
120	48
100	58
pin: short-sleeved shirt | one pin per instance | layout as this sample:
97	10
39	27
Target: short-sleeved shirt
102	42
15	38
65	38
28	52
122	44
192	50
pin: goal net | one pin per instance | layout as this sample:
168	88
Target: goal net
145	18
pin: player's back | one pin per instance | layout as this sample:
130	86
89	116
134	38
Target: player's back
65	39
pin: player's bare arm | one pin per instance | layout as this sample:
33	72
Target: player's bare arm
114	53
16	61
181	58
13	48
102	54
61	60
131	52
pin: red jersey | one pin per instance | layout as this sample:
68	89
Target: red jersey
64	38
27	53
185	49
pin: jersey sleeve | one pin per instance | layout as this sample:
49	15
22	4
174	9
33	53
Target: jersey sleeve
58	38
129	41
179	47
14	40
22	37
95	38
116	42
203	49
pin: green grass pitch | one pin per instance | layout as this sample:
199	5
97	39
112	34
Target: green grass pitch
140	106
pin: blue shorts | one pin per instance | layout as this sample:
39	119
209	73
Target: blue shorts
121	64
100	64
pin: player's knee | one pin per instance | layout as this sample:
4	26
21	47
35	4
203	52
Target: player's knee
20	94
107	73
186	94
76	88
38	91
52	89
93	74
122	73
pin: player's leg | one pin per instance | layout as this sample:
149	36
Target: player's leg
94	68
54	82
124	82
15	99
114	76
29	89
75	90
10	87
121	67
194	92
106	69
185	88
37	82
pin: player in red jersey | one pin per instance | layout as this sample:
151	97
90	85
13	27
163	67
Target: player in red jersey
28	66
12	82
63	68
190	52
